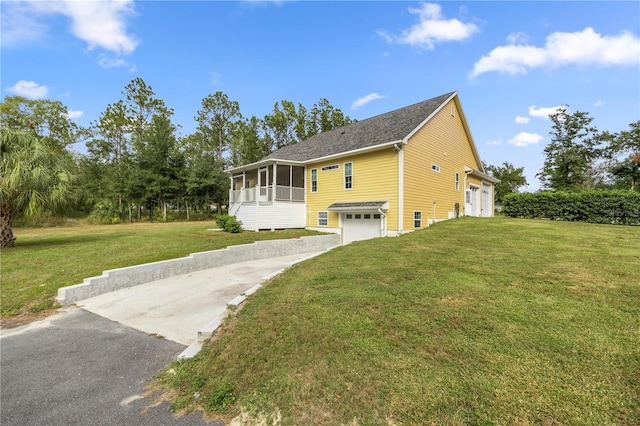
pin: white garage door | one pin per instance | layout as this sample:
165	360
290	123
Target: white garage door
360	226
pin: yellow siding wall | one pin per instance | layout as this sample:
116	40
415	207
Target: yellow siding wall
444	142
375	178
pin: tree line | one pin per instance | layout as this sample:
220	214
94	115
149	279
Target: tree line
136	162
579	157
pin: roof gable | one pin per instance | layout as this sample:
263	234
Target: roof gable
384	128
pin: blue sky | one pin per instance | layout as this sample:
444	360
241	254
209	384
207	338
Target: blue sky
512	63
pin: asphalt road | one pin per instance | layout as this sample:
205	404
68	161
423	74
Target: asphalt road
78	368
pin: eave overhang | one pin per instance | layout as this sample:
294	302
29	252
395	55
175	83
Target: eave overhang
264	163
355	206
477	173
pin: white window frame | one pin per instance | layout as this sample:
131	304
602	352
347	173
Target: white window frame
324	219
314	188
331	167
457	181
417	219
435	168
348	184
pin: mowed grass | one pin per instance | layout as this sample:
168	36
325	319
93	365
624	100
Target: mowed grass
45	259
470	322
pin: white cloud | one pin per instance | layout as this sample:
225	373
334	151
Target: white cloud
517	38
579	48
106	62
522	120
599	103
525	139
20	25
432	28
101	24
74	114
365	100
543	112
29	89
495	142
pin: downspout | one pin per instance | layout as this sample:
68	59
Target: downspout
400	186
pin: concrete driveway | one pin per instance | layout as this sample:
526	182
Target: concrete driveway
177	308
89	365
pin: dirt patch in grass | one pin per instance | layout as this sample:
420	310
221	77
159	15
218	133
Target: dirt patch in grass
23	318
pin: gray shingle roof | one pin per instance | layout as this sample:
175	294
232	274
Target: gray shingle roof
388	127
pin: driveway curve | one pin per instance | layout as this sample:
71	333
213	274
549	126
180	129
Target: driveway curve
90	364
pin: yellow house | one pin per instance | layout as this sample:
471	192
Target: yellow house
383	176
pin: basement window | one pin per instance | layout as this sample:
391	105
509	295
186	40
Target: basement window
323	218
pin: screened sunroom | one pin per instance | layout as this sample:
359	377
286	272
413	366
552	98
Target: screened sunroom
268	195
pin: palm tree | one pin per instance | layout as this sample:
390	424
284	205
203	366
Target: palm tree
33	175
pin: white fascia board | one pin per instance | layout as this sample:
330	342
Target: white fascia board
264	163
271	161
465	125
483	176
426	120
353	152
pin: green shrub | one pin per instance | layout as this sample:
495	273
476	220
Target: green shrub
594	206
106	211
221	220
229	223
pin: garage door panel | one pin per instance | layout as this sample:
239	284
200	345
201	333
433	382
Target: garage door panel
355	227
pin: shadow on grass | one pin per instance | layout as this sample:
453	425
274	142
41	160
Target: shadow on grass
66	240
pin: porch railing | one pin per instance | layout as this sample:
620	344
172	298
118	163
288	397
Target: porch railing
289	193
266	194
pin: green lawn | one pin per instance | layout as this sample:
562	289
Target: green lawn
45	259
470	322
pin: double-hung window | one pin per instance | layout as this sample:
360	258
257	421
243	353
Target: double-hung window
323	218
457	181
348	175
314	180
417	219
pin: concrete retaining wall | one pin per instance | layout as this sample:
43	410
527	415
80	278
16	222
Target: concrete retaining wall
116	279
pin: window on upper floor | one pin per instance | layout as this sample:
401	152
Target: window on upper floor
417	219
314	180
435	168
323	218
348	175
